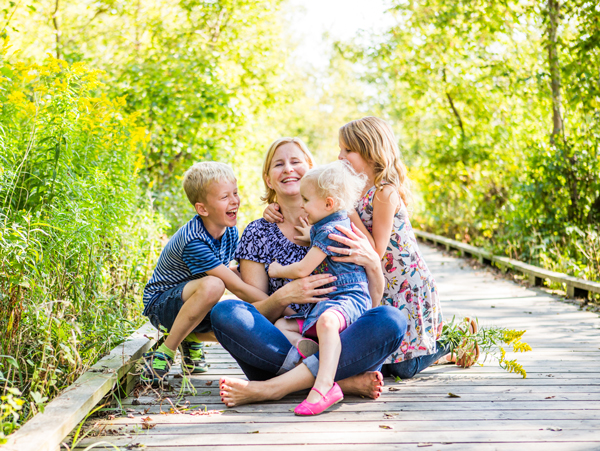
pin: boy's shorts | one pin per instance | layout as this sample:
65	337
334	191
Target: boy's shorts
166	308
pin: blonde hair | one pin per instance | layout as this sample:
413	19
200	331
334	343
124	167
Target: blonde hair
270	195
373	139
339	181
197	178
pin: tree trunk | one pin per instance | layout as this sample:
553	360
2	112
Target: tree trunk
553	15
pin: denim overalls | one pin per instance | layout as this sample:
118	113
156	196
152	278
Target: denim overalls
351	298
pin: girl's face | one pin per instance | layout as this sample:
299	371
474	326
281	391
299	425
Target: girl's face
358	163
288	166
316	207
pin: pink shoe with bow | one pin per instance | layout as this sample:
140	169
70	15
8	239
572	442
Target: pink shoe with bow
333	396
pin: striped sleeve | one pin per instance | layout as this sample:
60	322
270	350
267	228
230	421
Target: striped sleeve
199	257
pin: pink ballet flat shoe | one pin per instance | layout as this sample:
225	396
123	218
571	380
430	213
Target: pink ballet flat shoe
333	396
307	347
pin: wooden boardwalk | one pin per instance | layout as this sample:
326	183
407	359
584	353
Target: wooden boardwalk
556	408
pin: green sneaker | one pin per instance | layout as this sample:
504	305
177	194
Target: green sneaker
156	367
193	359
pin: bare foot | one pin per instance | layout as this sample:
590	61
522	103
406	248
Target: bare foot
236	392
366	384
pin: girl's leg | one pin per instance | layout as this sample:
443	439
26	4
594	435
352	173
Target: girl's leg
330	346
289	328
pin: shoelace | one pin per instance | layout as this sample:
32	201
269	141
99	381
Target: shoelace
196	354
159	364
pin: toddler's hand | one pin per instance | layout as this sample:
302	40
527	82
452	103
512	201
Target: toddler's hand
272	214
304	230
274	269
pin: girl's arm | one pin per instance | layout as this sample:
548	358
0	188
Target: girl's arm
300	269
236	285
355	219
272	213
385	205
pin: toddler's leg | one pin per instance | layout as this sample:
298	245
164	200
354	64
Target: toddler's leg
330	348
289	328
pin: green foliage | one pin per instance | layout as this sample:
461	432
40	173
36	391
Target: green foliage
490	340
467	85
71	264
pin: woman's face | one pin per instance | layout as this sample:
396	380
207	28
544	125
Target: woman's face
287	168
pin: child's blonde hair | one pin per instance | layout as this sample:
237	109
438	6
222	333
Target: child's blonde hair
200	175
373	139
270	195
339	181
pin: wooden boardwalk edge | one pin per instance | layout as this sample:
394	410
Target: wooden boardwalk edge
45	431
575	287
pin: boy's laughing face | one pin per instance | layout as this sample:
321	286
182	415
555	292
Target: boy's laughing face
221	204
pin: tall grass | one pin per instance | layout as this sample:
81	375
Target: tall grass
77	240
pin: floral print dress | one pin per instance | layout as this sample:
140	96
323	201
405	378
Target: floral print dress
409	284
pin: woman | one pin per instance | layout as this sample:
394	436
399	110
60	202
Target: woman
246	330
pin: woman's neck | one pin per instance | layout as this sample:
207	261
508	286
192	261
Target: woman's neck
291	209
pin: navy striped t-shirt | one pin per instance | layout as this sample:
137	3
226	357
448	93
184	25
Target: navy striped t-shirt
187	256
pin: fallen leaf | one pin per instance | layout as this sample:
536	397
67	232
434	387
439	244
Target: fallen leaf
147	419
254	432
452	395
493	306
148	425
130	415
389	415
111	417
554	429
209	382
385	426
421	445
393	389
549	397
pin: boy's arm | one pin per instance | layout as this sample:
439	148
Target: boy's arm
236	285
300	269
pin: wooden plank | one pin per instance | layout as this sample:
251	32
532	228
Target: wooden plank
505	262
445	446
46	431
377	437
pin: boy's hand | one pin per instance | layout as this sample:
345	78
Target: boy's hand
304	230
274	269
272	214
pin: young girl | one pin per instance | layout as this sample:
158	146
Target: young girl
369	145
327	192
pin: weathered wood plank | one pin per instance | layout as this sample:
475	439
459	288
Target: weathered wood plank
46	430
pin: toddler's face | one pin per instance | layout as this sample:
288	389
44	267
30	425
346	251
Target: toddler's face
315	206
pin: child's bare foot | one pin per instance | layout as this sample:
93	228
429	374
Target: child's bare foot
236	392
368	384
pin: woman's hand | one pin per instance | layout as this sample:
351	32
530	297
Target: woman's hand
304	230
272	213
306	290
359	249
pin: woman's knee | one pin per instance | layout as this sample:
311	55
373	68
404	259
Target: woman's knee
228	313
392	319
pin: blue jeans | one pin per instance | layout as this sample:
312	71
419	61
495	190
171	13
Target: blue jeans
263	352
408	368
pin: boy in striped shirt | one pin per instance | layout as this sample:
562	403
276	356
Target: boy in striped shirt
193	271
